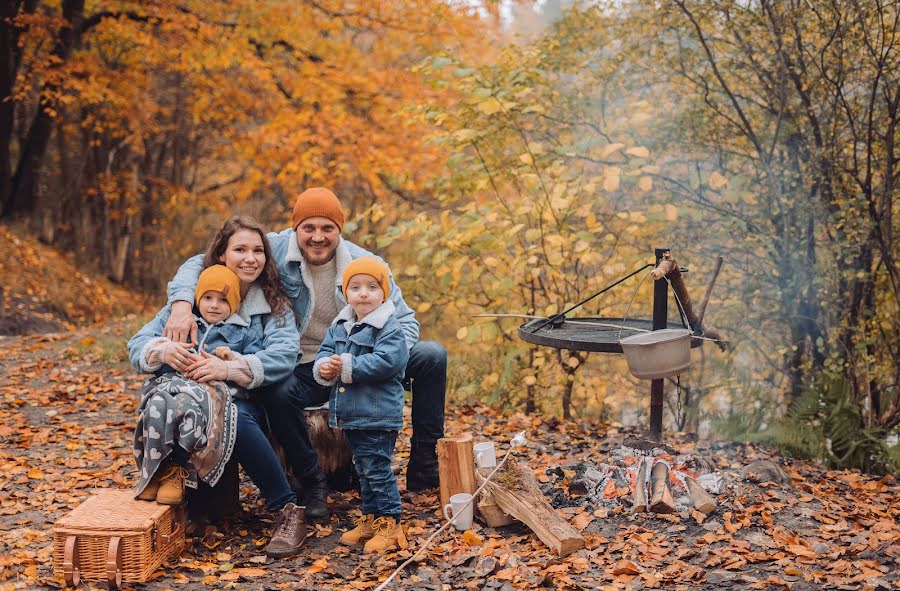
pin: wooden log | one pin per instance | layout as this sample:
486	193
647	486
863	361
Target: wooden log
456	466
640	489
488	509
516	491
668	267
661	500
700	499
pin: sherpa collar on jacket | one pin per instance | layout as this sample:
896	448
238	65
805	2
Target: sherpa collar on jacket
377	318
342	258
254	303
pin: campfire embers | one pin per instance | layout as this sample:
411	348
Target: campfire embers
656	480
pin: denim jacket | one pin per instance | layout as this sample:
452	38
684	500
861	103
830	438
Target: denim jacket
368	393
296	281
269	344
233	332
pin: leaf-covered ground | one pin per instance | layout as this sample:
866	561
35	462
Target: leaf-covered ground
68	408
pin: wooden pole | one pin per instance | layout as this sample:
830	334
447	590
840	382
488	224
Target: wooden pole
661	500
456	466
660	321
709	287
668	268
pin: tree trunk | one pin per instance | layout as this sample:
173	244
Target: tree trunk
23	198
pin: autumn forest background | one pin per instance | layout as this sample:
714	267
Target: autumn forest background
505	158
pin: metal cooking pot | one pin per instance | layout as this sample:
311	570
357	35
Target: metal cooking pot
658	354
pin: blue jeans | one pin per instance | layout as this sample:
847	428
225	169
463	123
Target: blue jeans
426	378
372	453
255	454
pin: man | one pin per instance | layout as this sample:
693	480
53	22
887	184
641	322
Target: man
311	257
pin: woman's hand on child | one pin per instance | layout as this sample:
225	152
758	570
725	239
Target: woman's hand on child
225	353
181	326
178	356
207	368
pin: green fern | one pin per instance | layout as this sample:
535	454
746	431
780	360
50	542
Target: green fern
826	423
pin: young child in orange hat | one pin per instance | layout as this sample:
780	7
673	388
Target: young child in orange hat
363	359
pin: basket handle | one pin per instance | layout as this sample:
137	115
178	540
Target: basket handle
113	557
71	570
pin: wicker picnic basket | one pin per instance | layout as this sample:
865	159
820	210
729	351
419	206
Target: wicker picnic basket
112	537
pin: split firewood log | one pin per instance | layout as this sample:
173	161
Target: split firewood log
700	499
661	500
640	489
515	490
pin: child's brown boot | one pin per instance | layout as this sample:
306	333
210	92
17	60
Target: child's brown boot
363	532
149	492
388	536
171	488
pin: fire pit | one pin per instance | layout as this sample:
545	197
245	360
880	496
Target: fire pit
627	478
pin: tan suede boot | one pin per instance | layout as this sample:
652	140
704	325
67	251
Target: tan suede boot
171	487
363	532
149	492
388	536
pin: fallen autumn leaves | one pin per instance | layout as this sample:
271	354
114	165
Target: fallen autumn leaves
66	429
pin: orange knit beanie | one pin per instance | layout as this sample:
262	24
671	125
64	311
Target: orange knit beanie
368	266
318	201
220	278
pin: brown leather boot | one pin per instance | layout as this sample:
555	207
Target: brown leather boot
364	530
171	485
388	536
289	534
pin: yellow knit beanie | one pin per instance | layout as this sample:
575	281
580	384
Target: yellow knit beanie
368	266
220	278
318	201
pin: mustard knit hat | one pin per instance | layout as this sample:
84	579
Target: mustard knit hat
368	266
220	278
318	201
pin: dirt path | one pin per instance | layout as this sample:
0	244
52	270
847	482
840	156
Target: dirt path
68	407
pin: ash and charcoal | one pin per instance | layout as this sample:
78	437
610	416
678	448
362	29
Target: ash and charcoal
596	485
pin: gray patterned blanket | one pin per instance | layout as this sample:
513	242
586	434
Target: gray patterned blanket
176	413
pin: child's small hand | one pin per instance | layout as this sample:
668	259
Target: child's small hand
326	371
336	363
225	353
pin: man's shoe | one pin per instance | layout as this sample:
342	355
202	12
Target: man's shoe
422	470
388	536
315	496
289	534
171	486
363	532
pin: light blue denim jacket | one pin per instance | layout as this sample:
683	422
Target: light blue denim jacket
368	393
233	332
295	279
276	334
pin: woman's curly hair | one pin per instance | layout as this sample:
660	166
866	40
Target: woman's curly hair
268	280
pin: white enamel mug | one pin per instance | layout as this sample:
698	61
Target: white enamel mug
460	511
485	455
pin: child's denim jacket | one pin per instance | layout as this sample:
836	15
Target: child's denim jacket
368	393
234	332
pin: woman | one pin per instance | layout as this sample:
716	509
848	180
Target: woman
241	245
